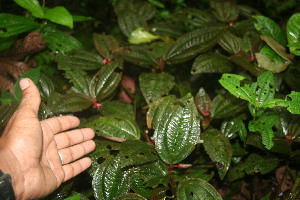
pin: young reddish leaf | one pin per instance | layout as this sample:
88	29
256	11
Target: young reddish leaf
203	102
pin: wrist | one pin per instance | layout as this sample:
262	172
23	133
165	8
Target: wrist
9	165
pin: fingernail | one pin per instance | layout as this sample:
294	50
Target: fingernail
24	83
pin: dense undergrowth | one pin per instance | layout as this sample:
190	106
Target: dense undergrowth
189	99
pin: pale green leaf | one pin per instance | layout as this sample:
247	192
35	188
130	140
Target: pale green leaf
178	133
154	86
33	6
11	25
140	35
293	33
219	149
272	65
59	15
211	63
196	189
116	126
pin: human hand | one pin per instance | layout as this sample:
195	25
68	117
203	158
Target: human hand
29	148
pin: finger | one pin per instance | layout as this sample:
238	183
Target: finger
59	124
73	137
75	168
77	151
31	99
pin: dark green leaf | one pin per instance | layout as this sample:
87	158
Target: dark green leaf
79	59
269	28
196	17
244	62
109	181
192	43
145	10
11	25
130	196
140	56
157	3
46	86
231	43
33	6
225	11
230	127
5	43
33	74
196	189
6	111
165	29
225	105
117	107
106	80
203	102
157	109
211	63
105	44
72	102
293	34
61	42
80	80
178	133
154	86
219	149
59	15
129	21
116	127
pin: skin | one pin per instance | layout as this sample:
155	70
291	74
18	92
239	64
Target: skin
29	148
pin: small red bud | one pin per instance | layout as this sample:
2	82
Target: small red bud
105	61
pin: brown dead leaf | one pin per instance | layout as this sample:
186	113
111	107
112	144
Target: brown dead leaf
284	178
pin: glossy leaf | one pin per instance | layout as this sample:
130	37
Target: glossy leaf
117	127
264	125
11	25
177	135
105	44
154	86
109	181
269	28
130	196
211	63
59	15
80	81
192	43
61	42
225	11
140	35
106	80
231	127
293	34
225	105
203	102
230	42
196	189
46	86
33	6
140	56
129	21
72	102
157	109
219	149
79	59
117	107
294	107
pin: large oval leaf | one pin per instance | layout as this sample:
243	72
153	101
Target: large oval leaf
116	127
219	149
109	181
211	63
196	189
33	6
293	34
117	107
106	80
154	85
11	25
59	15
178	132
198	41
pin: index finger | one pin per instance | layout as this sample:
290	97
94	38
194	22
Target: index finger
59	124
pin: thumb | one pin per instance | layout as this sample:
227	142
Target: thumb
30	97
